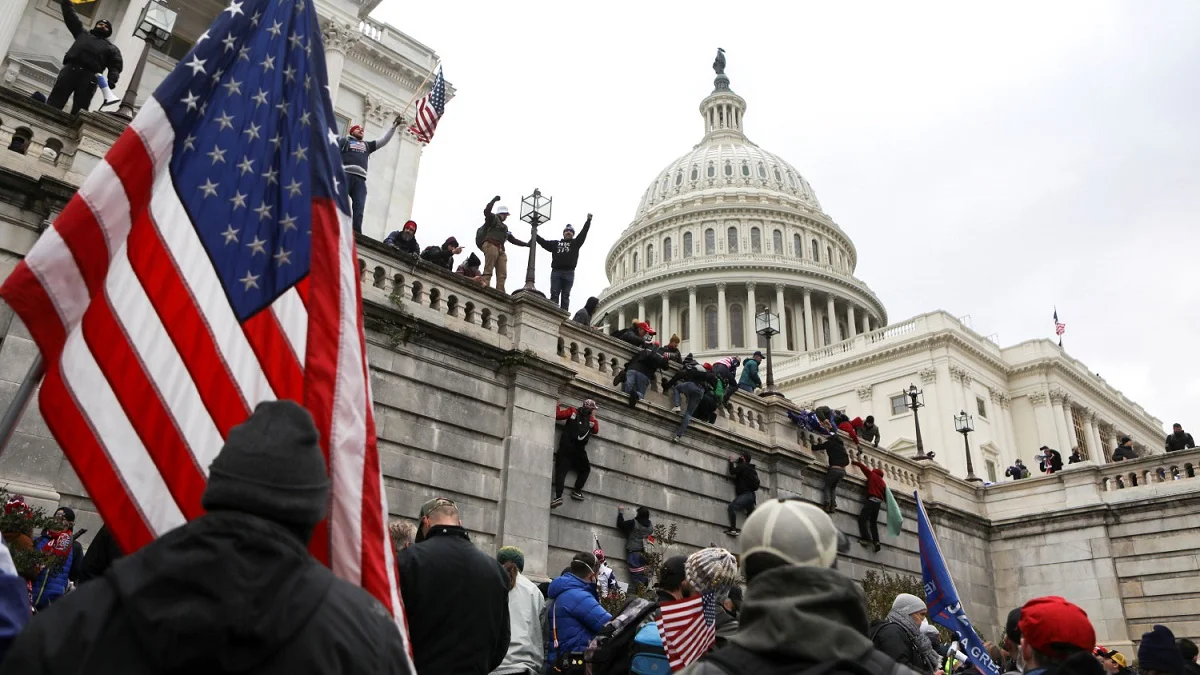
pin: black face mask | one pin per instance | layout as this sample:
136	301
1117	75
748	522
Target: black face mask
102	30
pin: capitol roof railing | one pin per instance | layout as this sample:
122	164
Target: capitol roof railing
393	39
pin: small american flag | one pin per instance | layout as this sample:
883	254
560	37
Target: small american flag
688	628
1059	327
430	109
204	266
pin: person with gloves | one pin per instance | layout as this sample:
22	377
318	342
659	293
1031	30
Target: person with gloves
868	518
355	154
491	237
405	240
185	602
578	426
564	257
89	56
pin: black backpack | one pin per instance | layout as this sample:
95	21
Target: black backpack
480	235
753	480
737	660
612	650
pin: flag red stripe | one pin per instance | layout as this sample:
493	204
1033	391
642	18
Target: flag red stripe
28	298
85	238
91	463
274	352
143	406
154	266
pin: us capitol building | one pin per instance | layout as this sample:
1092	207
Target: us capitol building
729	229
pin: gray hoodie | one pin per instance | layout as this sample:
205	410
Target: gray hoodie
802	615
526	614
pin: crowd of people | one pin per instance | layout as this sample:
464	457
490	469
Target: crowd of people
1051	461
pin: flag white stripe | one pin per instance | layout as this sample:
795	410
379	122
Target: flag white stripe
293	320
98	404
104	193
54	266
156	132
348	428
162	362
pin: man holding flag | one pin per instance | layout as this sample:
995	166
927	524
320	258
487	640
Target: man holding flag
207	265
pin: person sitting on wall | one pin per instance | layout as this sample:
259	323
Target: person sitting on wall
1179	439
470	268
1125	450
1018	470
405	240
442	256
1049	460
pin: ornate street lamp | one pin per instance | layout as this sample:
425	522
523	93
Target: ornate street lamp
917	400
766	324
535	210
962	424
154	25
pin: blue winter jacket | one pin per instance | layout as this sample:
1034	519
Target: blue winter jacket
50	584
578	613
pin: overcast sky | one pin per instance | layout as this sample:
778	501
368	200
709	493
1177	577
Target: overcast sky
992	160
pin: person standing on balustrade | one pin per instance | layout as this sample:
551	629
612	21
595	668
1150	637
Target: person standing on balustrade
564	257
90	55
355	153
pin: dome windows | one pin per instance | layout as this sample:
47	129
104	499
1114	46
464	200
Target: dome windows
745	169
728	168
635	262
829	255
712	170
797	246
778	176
695	173
777	241
687	244
737	328
762	171
667	250
755	240
649	255
791	179
710	327
710	241
731	240
679	178
816	251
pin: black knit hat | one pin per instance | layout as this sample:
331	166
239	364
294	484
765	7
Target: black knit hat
68	513
272	467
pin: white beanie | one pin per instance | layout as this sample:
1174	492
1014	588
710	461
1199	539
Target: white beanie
906	603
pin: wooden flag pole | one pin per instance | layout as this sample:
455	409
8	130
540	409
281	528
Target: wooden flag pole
419	88
8	424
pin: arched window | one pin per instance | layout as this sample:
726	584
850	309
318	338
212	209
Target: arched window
20	140
755	240
816	249
712	170
728	169
737	327
791	330
667	250
777	241
829	255
762	341
798	246
745	169
695	172
710	327
635	262
685	325
731	240
778	177
791	179
710	241
679	177
687	244
666	183
762	170
649	255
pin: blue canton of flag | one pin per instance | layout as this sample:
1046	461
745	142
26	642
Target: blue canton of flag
710	609
254	145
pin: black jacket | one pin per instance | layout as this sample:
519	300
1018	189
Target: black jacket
101	554
226	593
649	361
631	336
1180	441
564	253
891	639
441	256
395	240
835	450
1052	463
743	477
456	598
90	51
1124	452
869	433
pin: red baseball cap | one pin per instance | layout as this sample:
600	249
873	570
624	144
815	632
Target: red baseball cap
1052	620
645	325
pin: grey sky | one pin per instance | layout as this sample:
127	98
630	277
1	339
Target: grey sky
993	160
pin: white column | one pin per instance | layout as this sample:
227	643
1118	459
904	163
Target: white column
1089	435
831	312
808	320
621	319
1072	437
1098	452
130	45
752	311
782	310
642	309
664	321
695	342
850	320
9	21
866	323
1056	404
340	38
722	319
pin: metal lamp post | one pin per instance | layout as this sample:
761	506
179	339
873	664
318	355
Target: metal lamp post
962	424
154	25
535	210
766	324
917	400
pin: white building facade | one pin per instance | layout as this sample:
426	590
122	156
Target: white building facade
729	229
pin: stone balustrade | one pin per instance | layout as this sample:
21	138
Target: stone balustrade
1148	472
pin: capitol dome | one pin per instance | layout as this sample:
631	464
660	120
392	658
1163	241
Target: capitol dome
726	231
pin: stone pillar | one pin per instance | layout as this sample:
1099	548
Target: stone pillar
664	321
9	21
722	319
642	309
1046	429
130	45
808	320
1072	437
850	320
749	326
1089	434
621	324
866	323
1100	455
782	309
1057	398
695	340
339	38
834	334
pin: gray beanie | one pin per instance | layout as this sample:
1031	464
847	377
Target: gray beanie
272	466
907	603
796	532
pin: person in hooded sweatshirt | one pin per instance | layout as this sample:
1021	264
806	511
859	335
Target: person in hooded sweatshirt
564	258
636	531
798	610
470	268
574	614
1179	439
232	591
90	55
588	313
443	256
405	240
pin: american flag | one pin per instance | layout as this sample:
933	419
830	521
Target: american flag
688	628
430	109
1059	327
205	265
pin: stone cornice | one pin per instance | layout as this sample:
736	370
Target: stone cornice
1049	365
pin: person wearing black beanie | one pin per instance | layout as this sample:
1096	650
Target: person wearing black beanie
234	590
1158	654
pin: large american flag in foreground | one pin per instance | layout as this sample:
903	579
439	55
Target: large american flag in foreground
688	628
430	109
206	265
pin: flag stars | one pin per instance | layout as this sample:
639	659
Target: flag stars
260	98
230	42
234	8
289	73
283	257
246	165
217	155
238	200
282	107
190	101
294	188
209	188
252	131
332	136
263	211
249	281
288	222
189	143
257	246
216	76
300	153
275	140
225	121
204	109
244	53
230	234
296	40
268	63
306	118
254	19
232	86
202	38
307	82
197	65
272	176
275	29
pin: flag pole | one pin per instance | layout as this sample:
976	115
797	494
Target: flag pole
8	424
419	88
